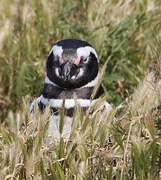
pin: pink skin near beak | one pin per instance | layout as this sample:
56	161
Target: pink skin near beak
77	61
61	61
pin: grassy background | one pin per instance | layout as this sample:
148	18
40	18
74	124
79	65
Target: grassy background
127	34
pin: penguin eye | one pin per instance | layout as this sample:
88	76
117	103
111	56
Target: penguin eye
85	60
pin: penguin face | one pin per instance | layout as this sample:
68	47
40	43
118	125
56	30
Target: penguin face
72	64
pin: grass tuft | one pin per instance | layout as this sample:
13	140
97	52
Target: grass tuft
124	144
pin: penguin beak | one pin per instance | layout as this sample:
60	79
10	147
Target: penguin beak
67	71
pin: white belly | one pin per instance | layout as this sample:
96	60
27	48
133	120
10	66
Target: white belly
53	133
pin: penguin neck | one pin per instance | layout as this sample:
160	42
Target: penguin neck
92	83
54	92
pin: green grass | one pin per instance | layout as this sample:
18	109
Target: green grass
127	37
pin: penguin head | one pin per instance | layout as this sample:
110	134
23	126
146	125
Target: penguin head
72	63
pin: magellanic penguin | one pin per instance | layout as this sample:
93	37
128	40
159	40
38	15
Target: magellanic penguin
72	72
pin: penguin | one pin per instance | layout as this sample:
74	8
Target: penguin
72	72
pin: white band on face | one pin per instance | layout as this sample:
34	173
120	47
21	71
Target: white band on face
85	51
57	50
82	51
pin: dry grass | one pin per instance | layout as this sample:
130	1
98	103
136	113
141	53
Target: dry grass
124	145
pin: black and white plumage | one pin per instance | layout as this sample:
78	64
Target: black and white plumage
72	72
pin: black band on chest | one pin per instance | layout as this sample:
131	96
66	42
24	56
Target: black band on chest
54	92
68	112
56	111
